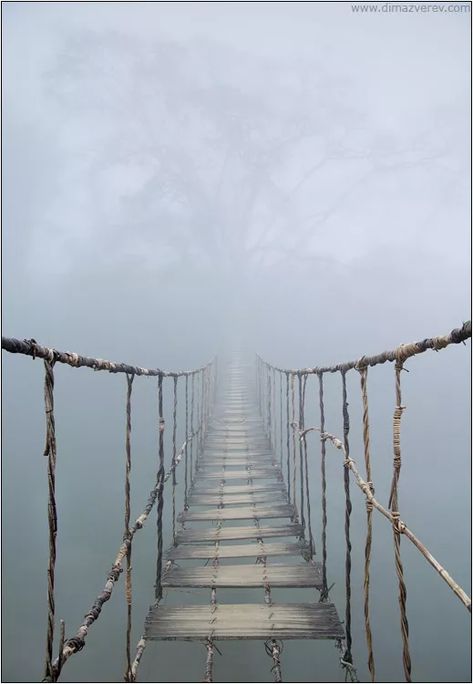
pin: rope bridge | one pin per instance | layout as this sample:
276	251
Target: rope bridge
245	457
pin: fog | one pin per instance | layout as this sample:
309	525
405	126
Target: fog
180	179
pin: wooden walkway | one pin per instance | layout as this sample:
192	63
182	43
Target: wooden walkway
238	509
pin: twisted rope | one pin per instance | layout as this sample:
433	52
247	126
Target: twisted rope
394	506
369	523
348	507
192	427
269	394
209	663
32	348
294	463
280	421
126	534
324	591
274	649
186	484
51	452
403	351
159	560
174	455
288	446
301	385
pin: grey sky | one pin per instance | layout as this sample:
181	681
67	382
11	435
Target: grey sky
114	117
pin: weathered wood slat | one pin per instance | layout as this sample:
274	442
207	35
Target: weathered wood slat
235	499
244	532
250	512
238	474
201	551
244	621
231	576
232	462
207	488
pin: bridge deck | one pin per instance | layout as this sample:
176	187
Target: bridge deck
238	478
245	621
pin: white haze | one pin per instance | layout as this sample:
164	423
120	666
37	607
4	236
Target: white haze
182	177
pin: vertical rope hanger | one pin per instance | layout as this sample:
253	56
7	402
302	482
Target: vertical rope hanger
306	467
280	422
192	426
186	450
397	529
294	462
301	450
174	453
159	562
288	443
274	433
51	452
347	657
324	590
369	524
126	534
269	426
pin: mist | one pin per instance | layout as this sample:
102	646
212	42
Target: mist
184	179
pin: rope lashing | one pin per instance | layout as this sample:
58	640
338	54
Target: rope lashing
274	648
348	507
209	663
126	534
363	370
394	506
51	452
348	667
140	647
324	590
160	478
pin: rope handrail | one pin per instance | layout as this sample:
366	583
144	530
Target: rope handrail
76	643
32	348
401	527
400	353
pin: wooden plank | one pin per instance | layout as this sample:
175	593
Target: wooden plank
252	550
306	575
235	499
208	488
232	462
239	474
244	621
278	510
243	532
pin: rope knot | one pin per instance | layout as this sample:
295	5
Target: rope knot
398	524
115	572
361	365
161	425
75	644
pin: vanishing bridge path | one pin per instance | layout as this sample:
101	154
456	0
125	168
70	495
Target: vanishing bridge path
246	520
238	480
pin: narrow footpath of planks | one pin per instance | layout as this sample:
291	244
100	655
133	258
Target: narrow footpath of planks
237	478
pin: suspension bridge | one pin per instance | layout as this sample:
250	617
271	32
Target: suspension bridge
247	518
